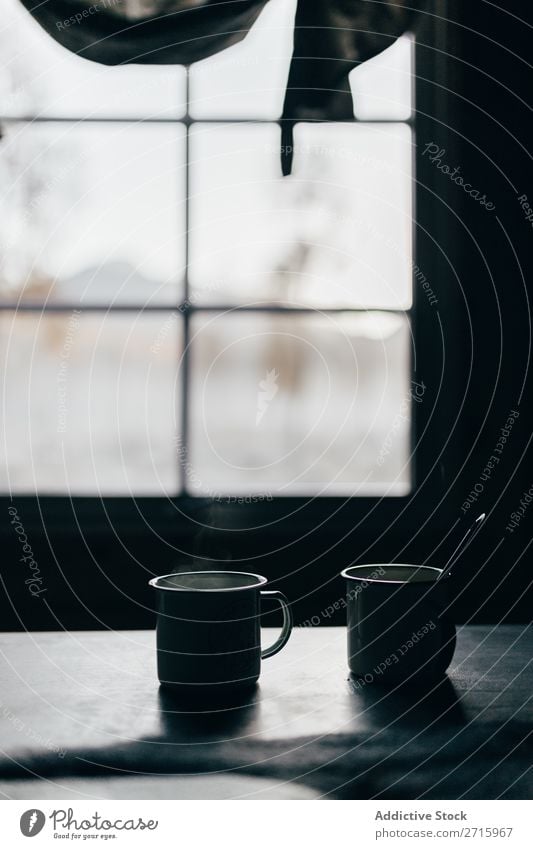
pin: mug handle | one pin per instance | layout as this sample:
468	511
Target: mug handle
287	622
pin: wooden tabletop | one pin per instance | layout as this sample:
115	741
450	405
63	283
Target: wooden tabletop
65	690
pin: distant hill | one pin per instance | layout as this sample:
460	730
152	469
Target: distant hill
113	282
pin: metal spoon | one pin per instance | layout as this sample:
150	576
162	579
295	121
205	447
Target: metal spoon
454	557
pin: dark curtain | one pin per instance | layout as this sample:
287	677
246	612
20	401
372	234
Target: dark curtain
330	38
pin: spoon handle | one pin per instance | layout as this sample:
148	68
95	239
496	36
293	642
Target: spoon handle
454	557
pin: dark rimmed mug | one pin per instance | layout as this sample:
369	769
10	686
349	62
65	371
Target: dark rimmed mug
397	628
209	630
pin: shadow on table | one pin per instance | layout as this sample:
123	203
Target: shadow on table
208	720
418	746
414	703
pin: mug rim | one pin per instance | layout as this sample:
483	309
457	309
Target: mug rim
383	580
261	581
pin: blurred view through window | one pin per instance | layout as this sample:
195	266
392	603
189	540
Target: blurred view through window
174	315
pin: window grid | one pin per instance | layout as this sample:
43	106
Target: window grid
185	307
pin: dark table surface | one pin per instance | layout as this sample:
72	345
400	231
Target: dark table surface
65	692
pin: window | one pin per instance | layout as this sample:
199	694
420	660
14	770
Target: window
176	317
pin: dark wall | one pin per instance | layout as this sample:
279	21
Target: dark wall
477	109
492	123
474	100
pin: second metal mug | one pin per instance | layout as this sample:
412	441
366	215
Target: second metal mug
397	627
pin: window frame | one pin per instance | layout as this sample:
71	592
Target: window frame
160	511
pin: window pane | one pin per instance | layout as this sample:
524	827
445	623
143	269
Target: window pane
335	233
92	213
249	79
90	403
39	77
292	405
382	86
